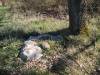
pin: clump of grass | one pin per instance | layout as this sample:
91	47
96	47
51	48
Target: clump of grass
8	52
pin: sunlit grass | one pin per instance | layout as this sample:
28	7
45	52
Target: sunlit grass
15	32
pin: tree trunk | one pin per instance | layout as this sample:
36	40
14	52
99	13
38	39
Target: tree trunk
74	16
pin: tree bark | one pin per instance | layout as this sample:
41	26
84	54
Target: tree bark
74	16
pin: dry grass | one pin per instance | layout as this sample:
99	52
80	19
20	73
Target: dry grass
77	59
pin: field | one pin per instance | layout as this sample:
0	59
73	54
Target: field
81	57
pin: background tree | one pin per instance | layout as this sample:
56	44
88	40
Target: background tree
74	16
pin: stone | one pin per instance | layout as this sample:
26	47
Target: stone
30	51
45	45
30	43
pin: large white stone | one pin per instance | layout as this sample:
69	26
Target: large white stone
31	51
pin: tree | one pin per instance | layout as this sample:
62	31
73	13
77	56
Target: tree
74	16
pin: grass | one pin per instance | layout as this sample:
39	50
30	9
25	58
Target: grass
14	32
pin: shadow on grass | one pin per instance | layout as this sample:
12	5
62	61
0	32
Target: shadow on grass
20	34
4	72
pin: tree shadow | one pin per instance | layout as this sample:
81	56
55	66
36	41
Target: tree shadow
60	64
19	34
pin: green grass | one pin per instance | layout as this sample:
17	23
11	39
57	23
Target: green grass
14	32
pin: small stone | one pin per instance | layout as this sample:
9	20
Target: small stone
45	45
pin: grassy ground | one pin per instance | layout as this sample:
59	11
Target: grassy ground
15	30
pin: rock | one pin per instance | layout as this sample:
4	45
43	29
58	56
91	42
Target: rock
30	43
30	51
45	45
